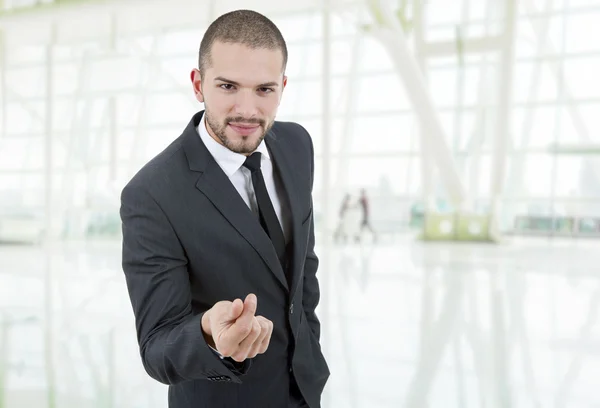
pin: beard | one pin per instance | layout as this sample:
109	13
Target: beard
246	144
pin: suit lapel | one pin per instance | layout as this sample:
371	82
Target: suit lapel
281	160
217	187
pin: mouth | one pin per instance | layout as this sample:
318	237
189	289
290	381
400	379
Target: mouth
244	129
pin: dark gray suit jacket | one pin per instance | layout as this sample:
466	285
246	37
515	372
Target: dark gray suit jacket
189	241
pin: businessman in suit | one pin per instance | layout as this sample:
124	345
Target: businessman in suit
218	237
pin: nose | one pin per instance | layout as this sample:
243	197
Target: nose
246	104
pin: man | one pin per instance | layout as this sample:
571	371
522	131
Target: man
365	222
218	237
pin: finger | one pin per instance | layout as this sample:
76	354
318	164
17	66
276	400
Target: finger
246	345
267	340
235	309
226	340
244	321
232	336
250	305
242	326
264	331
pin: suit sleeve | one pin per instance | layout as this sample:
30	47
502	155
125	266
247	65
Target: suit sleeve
169	334
311	293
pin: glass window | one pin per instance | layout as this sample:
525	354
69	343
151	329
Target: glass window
381	134
534	82
21	153
569	172
25	118
167	108
299	26
374	56
537	175
381	93
441	12
581	77
115	74
589	113
535	127
27	82
583	32
305	60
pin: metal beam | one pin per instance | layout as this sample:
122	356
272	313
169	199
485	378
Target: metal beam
580	149
65	9
392	37
469	46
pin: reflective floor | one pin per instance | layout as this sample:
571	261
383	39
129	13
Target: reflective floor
405	324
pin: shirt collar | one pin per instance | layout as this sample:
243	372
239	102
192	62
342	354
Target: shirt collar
229	161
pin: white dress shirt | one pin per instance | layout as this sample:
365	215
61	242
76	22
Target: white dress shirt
233	165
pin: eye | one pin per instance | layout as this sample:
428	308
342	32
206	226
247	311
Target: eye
266	90
227	87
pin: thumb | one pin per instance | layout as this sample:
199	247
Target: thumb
250	305
235	310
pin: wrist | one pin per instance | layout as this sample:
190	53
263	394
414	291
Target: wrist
205	326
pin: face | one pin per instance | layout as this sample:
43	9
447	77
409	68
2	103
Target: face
241	91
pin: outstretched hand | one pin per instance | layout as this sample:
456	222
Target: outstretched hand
234	331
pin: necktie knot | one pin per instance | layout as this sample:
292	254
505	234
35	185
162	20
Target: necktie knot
252	163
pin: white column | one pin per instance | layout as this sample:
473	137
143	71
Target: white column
426	159
51	228
48	140
3	90
503	127
352	95
4	324
325	238
112	112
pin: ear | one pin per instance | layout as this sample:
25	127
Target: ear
282	89
197	84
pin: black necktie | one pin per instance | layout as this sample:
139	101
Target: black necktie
268	217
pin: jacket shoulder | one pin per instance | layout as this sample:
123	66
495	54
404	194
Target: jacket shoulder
161	168
292	132
290	128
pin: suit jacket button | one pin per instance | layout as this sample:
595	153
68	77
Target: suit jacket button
292	309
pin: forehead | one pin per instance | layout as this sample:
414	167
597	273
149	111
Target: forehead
241	63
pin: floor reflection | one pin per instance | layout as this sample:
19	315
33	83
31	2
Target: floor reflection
458	325
405	324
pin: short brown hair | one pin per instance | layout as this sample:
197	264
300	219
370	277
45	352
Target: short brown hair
245	27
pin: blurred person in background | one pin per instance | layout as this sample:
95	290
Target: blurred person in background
341	232
365	223
218	237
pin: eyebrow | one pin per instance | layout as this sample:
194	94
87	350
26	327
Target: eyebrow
229	81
